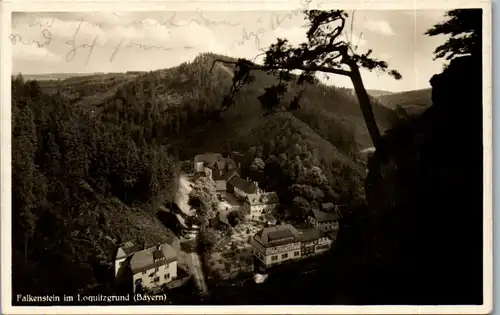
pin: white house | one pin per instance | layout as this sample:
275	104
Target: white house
241	187
260	203
277	244
125	251
153	267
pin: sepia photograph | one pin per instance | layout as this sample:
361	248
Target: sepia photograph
305	155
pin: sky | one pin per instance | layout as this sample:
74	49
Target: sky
88	42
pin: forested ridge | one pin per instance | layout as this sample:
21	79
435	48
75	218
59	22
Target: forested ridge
80	185
92	157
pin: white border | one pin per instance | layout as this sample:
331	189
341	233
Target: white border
74	5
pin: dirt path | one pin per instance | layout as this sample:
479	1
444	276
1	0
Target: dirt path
197	272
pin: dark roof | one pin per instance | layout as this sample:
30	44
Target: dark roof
229	174
310	234
322	216
247	186
226	174
277	235
230	163
263	198
157	254
209	158
327	205
152	257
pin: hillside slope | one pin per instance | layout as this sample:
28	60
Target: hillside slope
121	135
323	107
416	98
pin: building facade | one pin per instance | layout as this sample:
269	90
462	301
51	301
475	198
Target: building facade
325	221
148	268
124	252
313	241
216	167
260	203
241	188
276	245
284	243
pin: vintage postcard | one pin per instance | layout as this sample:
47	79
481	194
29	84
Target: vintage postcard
292	157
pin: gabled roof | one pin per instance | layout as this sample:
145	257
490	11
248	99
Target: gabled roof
247	186
277	235
152	257
209	158
226	174
229	174
230	163
310	234
322	216
127	248
263	198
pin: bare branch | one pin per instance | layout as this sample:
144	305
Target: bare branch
284	67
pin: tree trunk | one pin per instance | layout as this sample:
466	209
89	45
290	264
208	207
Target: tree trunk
365	104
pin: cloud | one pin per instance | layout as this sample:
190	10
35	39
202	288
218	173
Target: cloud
22	52
381	27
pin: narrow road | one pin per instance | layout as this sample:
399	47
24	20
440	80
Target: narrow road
197	272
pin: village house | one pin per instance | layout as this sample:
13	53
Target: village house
237	157
260	203
215	166
325	221
283	243
241	188
153	267
147	268
313	241
276	245
125	251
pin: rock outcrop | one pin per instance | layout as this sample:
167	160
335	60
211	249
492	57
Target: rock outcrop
424	192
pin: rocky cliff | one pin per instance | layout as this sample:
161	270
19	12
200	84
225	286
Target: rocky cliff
425	198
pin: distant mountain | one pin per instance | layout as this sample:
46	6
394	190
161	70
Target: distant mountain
408	98
65	76
377	93
327	109
121	135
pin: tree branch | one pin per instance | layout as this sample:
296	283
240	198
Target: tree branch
291	68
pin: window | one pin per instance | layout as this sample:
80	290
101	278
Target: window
156	269
138	281
144	272
274	258
167	276
296	254
285	255
156	279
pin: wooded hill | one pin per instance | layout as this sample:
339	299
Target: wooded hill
92	153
